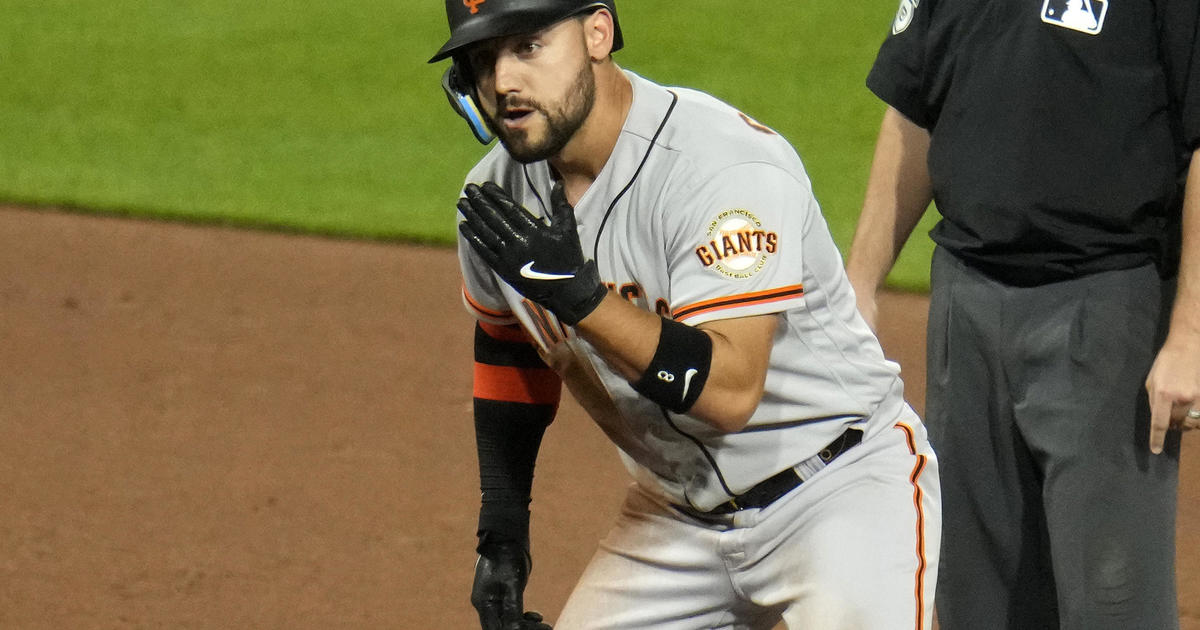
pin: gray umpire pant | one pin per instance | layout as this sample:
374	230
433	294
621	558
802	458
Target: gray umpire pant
1055	513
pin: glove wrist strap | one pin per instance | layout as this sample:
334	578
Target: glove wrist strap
575	313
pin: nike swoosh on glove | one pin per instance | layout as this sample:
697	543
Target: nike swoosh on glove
545	263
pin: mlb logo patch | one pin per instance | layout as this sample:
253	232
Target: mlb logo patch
1085	16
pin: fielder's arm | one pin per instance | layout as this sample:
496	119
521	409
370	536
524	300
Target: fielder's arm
516	397
898	192
715	372
636	343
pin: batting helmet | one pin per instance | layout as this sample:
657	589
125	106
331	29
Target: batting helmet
476	20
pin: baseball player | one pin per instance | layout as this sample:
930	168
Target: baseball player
662	255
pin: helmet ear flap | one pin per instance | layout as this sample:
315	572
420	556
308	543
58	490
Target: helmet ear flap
460	91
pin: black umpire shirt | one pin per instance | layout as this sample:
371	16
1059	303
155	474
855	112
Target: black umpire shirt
1060	128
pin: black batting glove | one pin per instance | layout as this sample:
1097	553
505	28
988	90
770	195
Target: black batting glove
498	592
545	263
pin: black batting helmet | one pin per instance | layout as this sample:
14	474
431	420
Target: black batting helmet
476	20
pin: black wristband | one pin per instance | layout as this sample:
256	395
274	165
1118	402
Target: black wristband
677	373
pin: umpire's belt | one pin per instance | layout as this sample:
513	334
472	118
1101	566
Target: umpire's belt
765	492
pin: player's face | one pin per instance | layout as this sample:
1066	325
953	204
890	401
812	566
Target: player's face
536	89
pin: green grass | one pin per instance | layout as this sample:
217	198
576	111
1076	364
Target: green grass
325	117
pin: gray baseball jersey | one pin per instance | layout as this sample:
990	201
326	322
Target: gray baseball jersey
702	214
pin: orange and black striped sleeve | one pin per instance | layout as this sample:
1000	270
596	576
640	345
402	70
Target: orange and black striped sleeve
509	370
516	396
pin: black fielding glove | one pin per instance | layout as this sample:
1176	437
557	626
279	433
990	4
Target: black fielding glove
544	263
498	592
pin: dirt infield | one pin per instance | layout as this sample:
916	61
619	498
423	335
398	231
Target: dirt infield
213	428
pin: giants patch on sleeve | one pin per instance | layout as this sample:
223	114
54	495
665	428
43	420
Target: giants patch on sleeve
738	246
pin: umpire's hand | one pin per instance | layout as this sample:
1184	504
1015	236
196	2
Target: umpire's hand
498	592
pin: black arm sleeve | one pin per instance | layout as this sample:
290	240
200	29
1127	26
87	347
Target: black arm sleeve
507	438
512	412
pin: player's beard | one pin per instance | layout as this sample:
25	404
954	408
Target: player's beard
561	122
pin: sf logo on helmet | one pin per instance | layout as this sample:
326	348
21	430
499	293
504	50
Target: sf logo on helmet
473	5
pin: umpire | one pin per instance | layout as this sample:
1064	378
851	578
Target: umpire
1064	327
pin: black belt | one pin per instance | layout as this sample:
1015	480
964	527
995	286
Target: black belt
765	492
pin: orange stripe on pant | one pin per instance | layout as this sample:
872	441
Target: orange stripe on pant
918	498
538	386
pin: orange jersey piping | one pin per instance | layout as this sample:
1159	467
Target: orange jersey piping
918	503
735	301
483	310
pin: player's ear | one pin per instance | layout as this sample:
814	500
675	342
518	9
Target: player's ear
598	32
